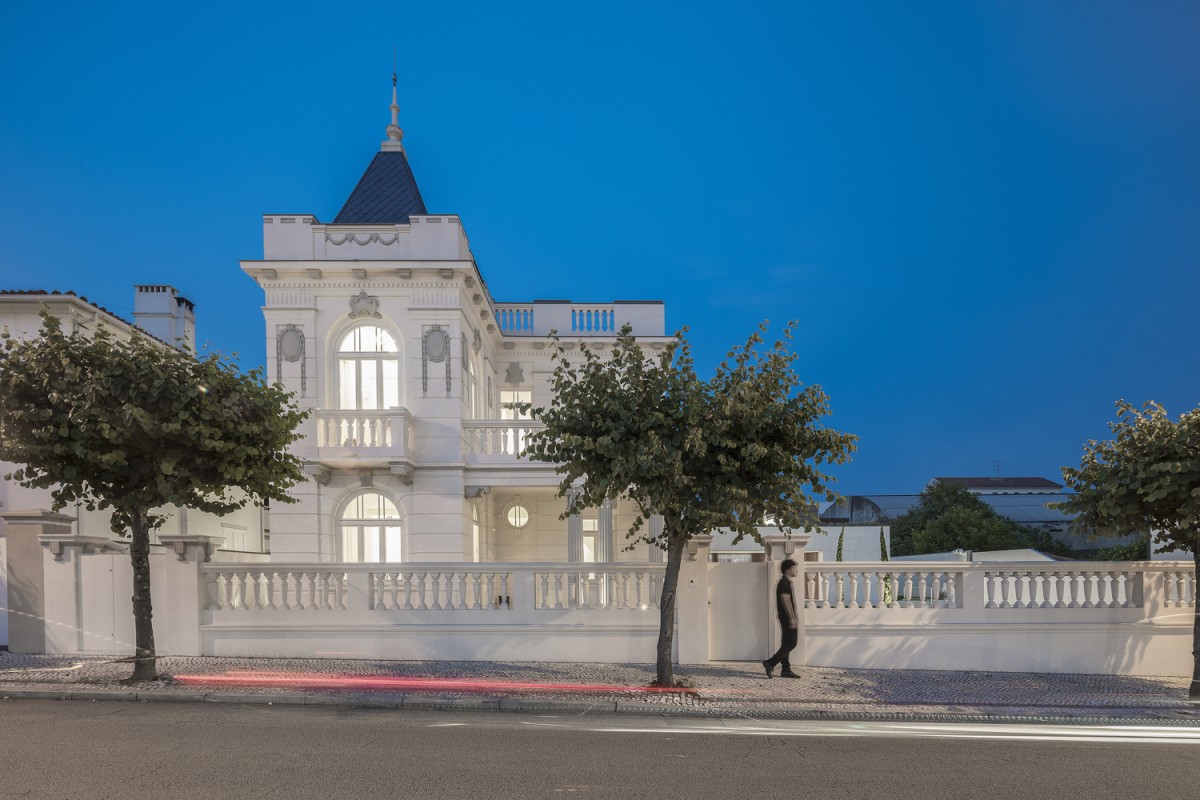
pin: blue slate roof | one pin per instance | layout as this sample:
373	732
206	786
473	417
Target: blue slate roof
386	194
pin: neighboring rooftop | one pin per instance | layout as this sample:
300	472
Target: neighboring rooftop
170	328
42	292
1038	485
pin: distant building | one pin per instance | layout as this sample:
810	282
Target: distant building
161	313
1025	501
984	486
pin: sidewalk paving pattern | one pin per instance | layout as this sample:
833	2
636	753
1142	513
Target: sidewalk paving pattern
732	689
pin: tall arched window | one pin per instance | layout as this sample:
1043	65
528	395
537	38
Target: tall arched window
369	527
368	369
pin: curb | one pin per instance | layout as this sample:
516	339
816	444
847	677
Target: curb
1136	716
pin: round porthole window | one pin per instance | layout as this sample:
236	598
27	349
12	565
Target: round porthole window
517	515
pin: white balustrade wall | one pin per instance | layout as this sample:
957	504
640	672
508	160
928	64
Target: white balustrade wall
637	589
838	586
433	611
1131	618
1106	617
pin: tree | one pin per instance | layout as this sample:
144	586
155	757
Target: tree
948	517
133	425
727	452
1145	479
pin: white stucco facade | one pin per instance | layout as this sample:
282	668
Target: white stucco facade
423	416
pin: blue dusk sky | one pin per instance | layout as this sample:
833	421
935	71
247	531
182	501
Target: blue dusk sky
985	215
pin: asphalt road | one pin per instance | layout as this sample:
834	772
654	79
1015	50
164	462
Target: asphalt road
121	750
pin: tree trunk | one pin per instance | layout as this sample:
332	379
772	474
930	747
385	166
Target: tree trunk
144	668
665	676
1194	690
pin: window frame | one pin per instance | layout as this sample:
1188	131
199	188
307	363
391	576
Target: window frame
359	359
385	539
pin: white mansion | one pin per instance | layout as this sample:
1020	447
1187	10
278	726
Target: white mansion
382	325
422	533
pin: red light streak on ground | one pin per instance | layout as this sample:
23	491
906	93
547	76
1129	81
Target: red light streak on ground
391	683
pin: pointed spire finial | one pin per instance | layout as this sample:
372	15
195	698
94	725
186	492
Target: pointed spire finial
394	132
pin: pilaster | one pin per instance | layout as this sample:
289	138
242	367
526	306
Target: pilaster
574	531
604	537
692	605
180	605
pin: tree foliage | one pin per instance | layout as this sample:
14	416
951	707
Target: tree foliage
1145	479
132	425
727	452
948	517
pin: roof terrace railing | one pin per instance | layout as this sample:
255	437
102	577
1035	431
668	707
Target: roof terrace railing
541	317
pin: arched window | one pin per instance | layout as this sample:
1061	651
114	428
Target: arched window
368	369
370	529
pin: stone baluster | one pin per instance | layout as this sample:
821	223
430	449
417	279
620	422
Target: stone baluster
1021	589
379	587
270	580
394	579
419	585
1089	590
462	591
1038	590
442	591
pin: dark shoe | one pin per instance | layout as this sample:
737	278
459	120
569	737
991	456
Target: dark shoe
769	667
789	674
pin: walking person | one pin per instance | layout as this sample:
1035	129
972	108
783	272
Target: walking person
789	620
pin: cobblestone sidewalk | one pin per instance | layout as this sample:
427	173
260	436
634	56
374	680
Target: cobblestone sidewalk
729	689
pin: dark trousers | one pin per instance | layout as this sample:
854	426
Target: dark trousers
790	637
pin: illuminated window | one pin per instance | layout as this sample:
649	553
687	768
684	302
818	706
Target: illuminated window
368	369
370	529
517	514
510	399
591	531
512	440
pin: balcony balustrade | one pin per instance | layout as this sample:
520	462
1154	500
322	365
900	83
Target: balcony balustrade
372	434
496	440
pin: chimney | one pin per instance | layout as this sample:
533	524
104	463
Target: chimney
163	313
